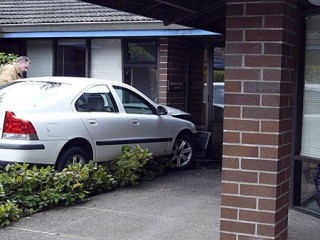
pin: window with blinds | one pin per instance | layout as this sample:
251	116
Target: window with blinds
310	144
40	53
106	60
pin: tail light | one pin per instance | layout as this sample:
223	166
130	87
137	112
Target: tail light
17	128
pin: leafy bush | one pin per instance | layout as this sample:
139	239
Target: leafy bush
94	178
25	190
219	75
129	167
135	165
9	212
7	58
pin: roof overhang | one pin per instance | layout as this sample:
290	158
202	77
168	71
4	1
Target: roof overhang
201	14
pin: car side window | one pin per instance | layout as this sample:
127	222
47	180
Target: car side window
96	99
132	102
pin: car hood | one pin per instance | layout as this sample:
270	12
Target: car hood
176	112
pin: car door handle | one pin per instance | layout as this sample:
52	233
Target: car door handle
135	122
93	121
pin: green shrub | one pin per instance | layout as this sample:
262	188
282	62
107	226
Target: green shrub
34	189
22	185
9	212
129	166
219	76
25	190
7	58
92	177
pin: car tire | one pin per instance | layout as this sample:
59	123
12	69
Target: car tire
71	156
183	152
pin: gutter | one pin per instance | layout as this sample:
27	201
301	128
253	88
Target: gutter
87	26
111	33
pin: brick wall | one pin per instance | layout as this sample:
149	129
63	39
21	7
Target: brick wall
260	47
181	75
195	85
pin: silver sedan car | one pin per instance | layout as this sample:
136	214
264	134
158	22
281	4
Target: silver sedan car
64	120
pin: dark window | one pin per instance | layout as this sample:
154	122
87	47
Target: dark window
96	99
71	58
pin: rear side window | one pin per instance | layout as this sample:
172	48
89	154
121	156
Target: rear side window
96	99
29	93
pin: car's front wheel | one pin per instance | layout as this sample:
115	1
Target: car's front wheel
72	156
183	152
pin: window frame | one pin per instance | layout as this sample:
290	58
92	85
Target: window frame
128	63
107	95
298	161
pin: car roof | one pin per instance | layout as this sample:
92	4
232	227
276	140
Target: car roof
78	83
82	81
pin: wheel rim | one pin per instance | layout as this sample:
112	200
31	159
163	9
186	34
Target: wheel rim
77	158
182	153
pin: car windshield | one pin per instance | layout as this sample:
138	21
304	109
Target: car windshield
28	93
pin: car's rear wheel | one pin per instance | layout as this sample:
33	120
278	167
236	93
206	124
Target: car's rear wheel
183	152
72	156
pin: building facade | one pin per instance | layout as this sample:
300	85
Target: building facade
74	38
271	120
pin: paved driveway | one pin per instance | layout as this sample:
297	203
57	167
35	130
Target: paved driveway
179	205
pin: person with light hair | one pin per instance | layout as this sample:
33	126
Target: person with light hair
11	72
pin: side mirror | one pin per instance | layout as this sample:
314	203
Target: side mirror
161	110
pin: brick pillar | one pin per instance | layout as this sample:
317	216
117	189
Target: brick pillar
260	47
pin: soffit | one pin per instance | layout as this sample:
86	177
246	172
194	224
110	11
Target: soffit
202	14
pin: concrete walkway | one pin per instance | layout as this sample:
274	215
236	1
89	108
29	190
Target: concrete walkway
179	205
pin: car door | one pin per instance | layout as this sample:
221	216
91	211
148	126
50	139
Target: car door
108	127
147	129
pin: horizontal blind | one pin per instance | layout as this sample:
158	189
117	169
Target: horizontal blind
106	60
311	121
40	53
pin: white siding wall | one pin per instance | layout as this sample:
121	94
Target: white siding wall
106	58
40	53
